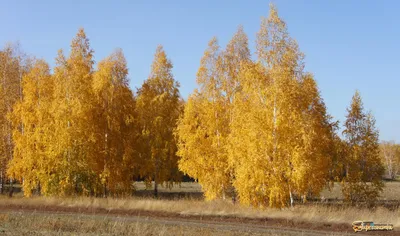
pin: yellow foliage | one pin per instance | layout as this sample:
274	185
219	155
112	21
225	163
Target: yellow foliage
158	107
259	126
362	166
30	119
113	156
258	130
204	128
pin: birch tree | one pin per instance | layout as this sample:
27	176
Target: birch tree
363	166
13	65
158	107
30	164
390	154
204	128
72	110
279	144
114	126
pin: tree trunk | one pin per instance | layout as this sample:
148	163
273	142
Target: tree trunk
156	179
106	157
234	198
39	189
11	192
105	190
155	187
1	183
291	197
76	186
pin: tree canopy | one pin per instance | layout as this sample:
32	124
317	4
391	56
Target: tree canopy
256	127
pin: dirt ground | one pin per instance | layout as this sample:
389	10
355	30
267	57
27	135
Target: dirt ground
182	211
26	220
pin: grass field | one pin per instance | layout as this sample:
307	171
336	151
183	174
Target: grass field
88	216
34	224
390	192
190	190
51	224
177	203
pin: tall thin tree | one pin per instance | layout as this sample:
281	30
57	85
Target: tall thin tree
158	107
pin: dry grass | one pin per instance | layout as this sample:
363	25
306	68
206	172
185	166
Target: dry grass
178	205
391	191
309	213
36	224
184	187
192	190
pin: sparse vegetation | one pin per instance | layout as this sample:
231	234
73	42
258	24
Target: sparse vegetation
192	206
112	216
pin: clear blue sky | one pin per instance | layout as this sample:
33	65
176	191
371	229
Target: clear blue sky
349	45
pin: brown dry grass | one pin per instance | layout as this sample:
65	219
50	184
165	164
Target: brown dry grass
34	224
307	213
188	205
391	191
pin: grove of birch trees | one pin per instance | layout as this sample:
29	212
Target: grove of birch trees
256	127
